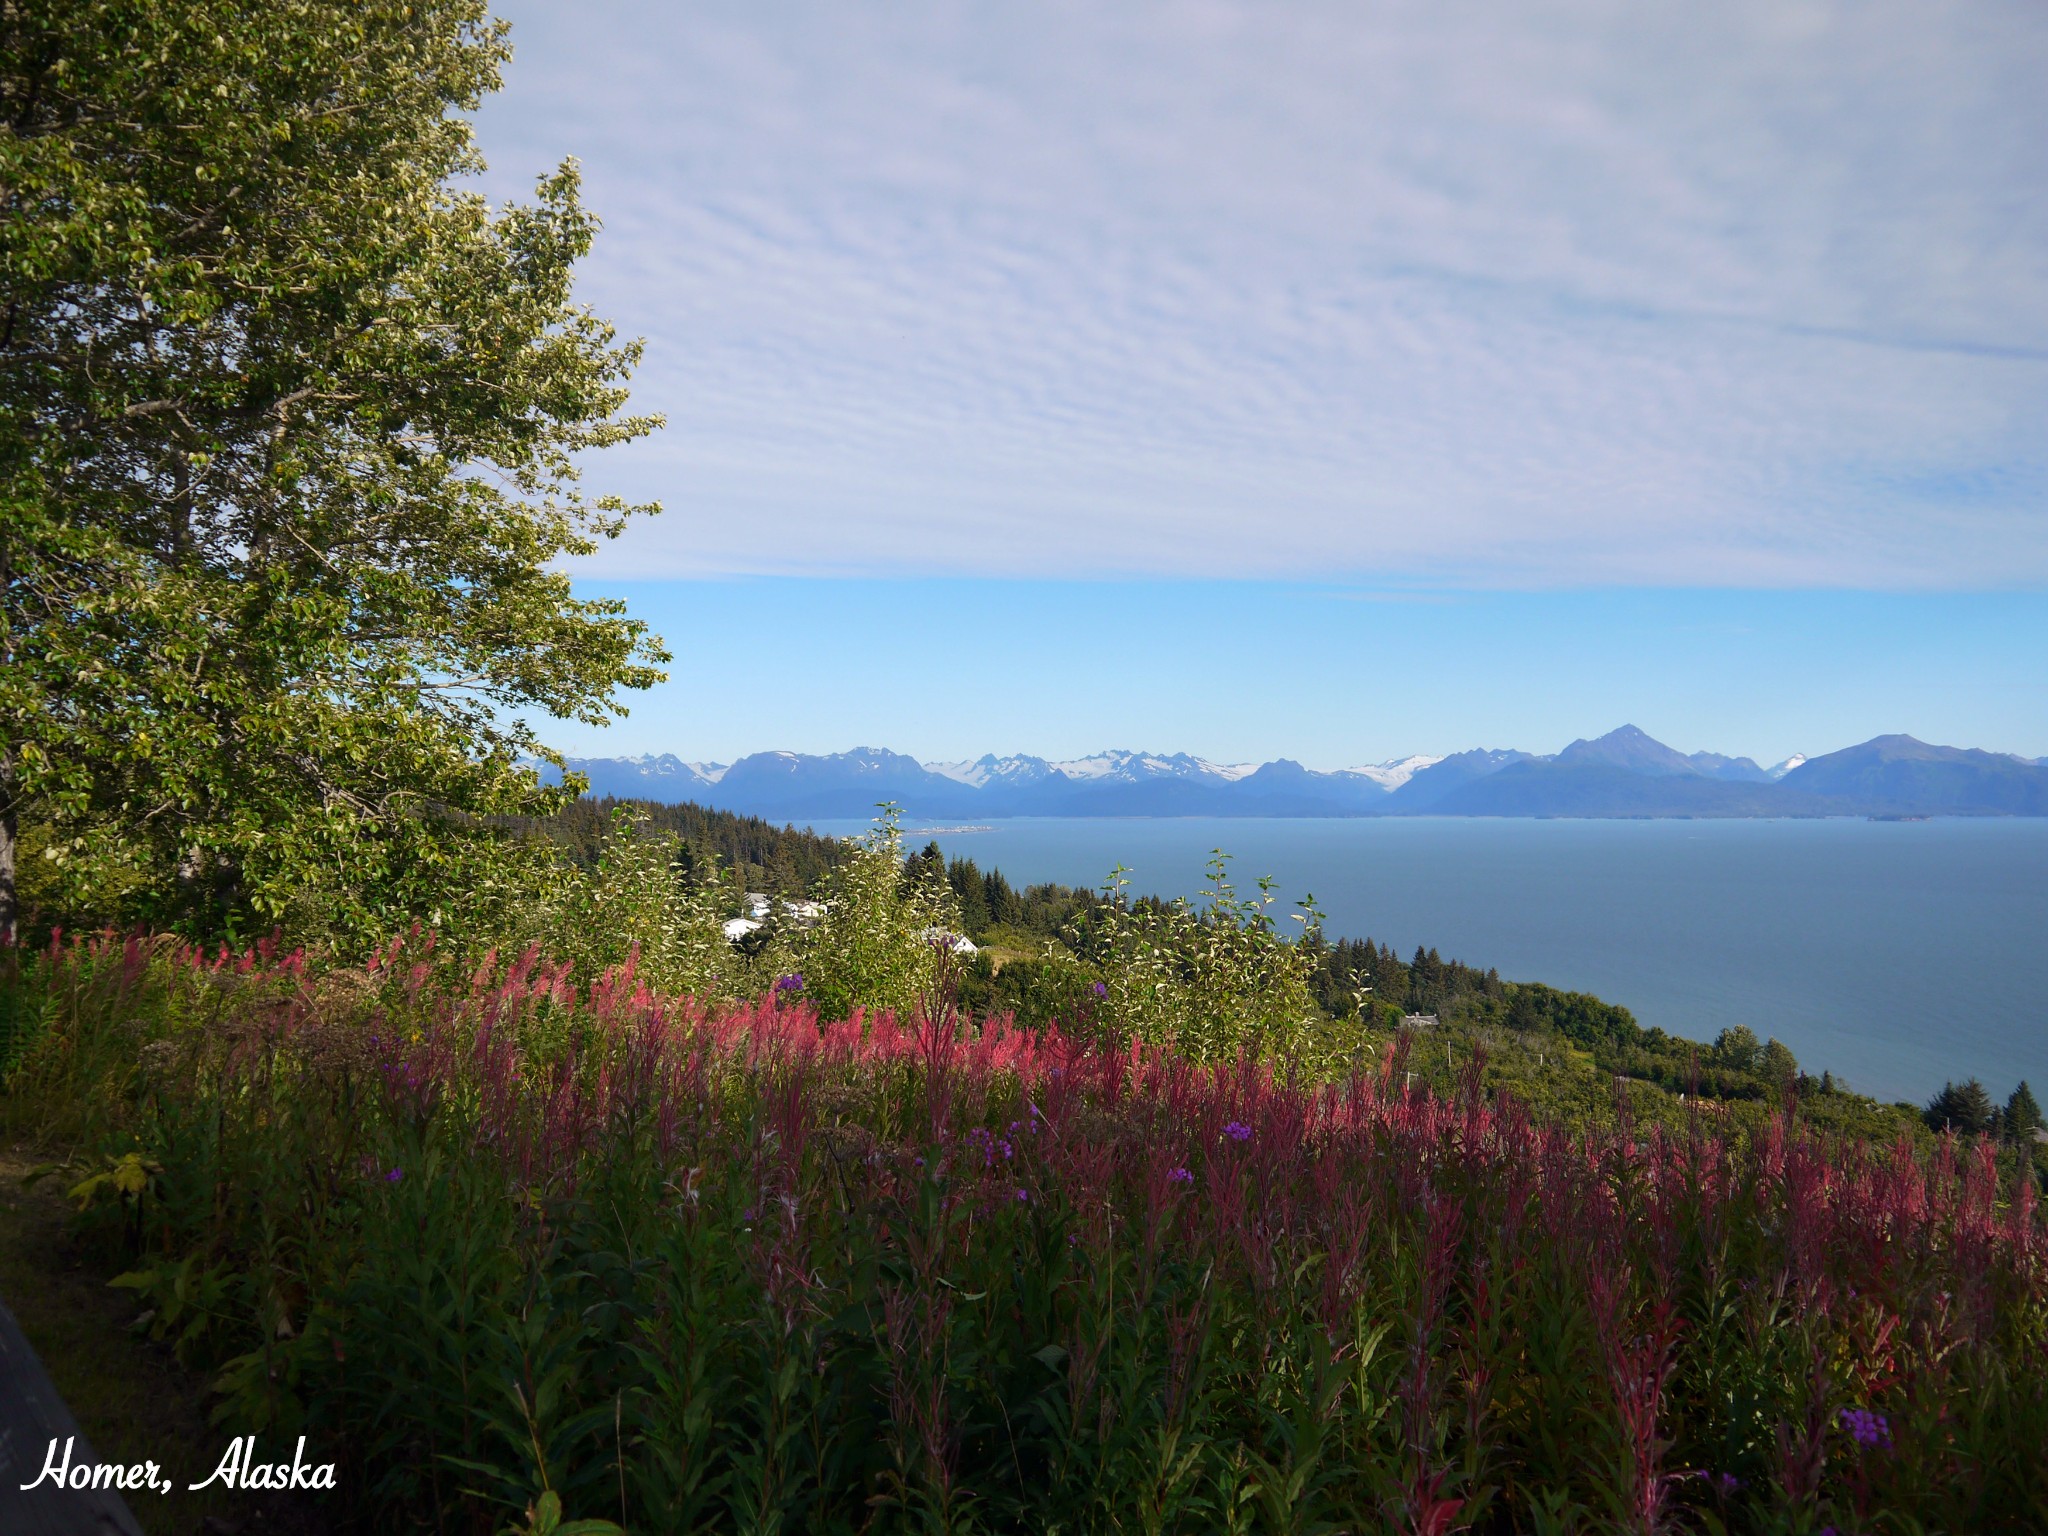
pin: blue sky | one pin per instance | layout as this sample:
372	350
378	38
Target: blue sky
1524	368
947	668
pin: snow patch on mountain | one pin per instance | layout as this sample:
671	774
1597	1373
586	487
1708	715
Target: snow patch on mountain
1100	766
1122	766
989	769
1393	774
1778	771
666	765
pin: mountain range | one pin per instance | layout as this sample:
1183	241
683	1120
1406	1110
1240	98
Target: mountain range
1625	773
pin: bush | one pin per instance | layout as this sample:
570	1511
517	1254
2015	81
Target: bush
1211	981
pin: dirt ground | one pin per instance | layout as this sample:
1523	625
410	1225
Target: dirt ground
130	1396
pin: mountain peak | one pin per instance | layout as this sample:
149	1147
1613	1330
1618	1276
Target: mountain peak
1629	747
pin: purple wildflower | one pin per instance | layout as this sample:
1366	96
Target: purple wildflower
791	983
1101	989
1237	1130
394	1176
1180	1176
1870	1430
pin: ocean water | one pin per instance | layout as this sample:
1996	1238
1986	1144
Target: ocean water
1896	954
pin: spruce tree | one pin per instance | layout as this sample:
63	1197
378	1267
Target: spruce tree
2022	1116
1964	1108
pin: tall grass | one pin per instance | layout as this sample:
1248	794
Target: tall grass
489	1234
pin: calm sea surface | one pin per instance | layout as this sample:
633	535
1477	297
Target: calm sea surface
1897	954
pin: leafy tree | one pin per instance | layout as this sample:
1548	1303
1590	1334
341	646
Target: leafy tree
288	458
2022	1116
1737	1049
1964	1108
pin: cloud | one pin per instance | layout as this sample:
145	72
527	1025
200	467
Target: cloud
1753	294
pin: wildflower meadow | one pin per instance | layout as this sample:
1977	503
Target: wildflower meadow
511	1245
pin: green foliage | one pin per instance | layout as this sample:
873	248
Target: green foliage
1964	1108
2022	1118
288	466
1209	979
639	902
882	941
754	853
1738	1050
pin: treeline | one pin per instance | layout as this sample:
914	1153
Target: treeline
756	855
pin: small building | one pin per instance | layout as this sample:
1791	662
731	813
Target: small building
941	938
1419	1021
737	928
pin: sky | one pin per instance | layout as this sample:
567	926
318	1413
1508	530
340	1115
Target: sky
1331	381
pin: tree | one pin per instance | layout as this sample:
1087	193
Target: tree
1777	1065
288	457
1737	1049
1964	1108
2022	1116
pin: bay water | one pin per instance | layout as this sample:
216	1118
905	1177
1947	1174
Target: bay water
1895	954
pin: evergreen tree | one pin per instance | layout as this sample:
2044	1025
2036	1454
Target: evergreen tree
971	892
2022	1116
1777	1065
1000	898
1964	1108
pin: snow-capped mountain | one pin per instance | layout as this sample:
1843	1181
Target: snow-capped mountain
1393	774
1624	773
651	776
1122	767
990	769
1128	767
